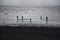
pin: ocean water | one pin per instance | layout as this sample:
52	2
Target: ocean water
8	14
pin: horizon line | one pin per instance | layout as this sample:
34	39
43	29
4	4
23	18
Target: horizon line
24	5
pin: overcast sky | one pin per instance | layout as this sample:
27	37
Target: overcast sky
30	2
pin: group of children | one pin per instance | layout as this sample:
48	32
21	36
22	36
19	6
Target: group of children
30	19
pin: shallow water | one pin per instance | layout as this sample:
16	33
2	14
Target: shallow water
8	15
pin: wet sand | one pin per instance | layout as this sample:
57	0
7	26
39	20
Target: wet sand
29	33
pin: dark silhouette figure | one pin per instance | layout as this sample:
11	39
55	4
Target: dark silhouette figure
41	17
46	19
17	19
30	20
22	19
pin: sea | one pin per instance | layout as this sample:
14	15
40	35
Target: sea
8	15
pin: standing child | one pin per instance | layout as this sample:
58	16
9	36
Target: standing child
17	19
46	19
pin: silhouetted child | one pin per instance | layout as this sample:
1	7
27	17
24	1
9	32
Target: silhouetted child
41	17
46	19
17	19
22	19
30	20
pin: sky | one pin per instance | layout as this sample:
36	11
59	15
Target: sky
30	2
